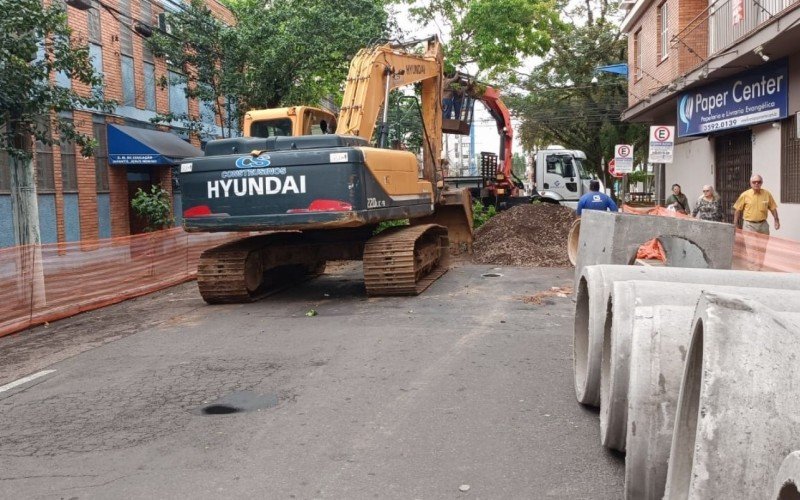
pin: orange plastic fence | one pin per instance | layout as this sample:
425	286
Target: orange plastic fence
751	251
44	283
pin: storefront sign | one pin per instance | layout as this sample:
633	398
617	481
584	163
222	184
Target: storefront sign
756	96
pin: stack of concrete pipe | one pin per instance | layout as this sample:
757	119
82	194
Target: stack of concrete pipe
634	331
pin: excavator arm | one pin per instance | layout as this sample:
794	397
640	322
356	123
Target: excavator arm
374	72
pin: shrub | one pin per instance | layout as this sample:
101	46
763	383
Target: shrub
154	207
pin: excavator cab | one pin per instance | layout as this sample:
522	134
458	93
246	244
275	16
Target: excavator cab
292	121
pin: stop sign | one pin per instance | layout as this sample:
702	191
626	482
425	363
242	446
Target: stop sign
612	169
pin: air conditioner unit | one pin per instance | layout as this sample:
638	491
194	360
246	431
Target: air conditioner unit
163	23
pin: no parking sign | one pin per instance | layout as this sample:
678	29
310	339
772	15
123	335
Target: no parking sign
662	143
623	158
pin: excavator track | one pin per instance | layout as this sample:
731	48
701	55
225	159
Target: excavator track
251	268
405	260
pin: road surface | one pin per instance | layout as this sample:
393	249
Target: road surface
466	387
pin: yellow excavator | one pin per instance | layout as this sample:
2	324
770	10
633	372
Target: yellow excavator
321	196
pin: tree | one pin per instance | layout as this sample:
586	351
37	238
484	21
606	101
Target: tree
276	53
36	43
492	35
561	105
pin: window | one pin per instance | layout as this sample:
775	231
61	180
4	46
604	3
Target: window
663	28
95	35
45	178
178	103
271	128
637	55
100	155
560	165
69	172
5	172
96	55
790	161
128	83
207	108
125	33
149	86
146	16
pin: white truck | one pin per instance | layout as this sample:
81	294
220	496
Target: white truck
560	176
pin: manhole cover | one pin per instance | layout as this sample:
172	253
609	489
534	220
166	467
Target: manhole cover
491	275
239	401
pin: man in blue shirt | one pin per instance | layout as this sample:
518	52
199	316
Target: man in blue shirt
595	200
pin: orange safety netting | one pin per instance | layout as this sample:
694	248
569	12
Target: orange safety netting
42	283
751	251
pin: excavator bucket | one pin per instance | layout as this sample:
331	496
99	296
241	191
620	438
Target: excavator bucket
454	211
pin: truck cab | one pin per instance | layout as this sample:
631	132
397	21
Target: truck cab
560	175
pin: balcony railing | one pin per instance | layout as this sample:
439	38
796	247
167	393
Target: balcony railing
717	21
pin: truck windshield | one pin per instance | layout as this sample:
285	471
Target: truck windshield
271	128
581	171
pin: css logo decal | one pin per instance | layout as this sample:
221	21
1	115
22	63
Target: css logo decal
250	162
685	110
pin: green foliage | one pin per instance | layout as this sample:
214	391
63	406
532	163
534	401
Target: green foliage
494	35
155	207
518	165
277	53
637	176
35	44
481	214
390	223
561	105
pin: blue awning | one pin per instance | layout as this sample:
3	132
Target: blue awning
139	146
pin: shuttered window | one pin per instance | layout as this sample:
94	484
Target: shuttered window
101	156
790	161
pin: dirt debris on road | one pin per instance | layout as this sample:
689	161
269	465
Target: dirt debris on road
526	235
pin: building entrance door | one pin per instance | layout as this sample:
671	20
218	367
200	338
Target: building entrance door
138	177
733	159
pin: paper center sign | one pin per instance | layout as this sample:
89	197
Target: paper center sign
662	144
623	158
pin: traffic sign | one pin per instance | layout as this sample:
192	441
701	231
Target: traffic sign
662	144
623	158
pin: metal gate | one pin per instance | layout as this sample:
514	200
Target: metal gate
733	159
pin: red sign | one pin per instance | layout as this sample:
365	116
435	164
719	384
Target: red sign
612	169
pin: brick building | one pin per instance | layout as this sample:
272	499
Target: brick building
726	74
89	198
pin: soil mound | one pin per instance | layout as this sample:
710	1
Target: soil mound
525	235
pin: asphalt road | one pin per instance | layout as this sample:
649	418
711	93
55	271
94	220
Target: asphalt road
467	384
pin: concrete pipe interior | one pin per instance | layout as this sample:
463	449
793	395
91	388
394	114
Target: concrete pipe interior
580	347
572	241
680	473
605	369
789	492
679	252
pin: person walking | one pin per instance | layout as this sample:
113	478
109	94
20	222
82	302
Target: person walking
754	205
708	206
595	200
678	201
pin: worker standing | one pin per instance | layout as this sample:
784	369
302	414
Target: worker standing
595	200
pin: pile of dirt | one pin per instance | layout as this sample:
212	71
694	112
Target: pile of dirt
525	235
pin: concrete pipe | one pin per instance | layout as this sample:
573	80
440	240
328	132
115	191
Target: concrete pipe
592	303
658	345
787	482
738	412
617	341
572	241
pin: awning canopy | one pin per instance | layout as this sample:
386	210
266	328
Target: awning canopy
138	146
